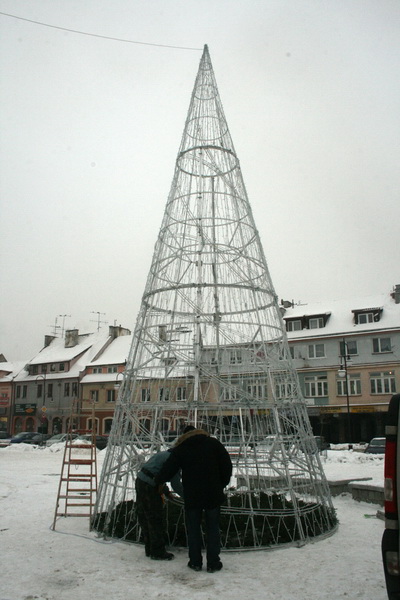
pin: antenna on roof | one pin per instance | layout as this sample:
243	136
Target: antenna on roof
98	320
63	323
55	327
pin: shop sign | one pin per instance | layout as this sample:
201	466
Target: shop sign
25	409
362	409
330	409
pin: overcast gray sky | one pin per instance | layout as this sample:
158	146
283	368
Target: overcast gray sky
91	128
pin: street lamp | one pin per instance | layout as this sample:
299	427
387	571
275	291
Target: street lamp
117	383
343	374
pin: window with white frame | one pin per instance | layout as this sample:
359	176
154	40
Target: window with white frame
94	395
163	394
316	323
367	317
112	369
348	348
315	386
97	370
91	425
180	394
284	389
107	423
230	394
213	358
316	351
294	325
145	393
383	382
66	389
110	395
354	385
380	345
257	391
236	357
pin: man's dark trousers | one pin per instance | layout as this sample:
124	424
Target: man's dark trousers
149	506
193	526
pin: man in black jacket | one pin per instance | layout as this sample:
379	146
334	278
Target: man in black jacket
206	470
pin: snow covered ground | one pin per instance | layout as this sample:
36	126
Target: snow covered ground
73	563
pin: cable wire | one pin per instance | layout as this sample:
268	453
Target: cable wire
97	35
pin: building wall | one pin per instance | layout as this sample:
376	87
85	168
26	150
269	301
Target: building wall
361	415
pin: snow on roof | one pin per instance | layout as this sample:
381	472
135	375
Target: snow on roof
341	316
89	345
9	370
116	353
102	378
57	352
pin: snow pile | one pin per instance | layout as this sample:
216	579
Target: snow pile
349	464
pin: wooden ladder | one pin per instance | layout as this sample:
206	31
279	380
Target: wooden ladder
78	481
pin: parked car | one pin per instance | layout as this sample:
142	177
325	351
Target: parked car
39	439
391	535
101	440
59	438
5	439
22	437
376	446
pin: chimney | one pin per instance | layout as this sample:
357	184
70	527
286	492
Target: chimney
71	338
115	331
48	339
396	294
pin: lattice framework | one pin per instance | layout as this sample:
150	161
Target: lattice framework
210	349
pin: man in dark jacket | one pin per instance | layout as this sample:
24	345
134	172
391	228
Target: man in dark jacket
149	505
206	470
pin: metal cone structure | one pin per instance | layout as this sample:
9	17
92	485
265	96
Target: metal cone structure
210	349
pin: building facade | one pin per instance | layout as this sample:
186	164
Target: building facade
100	383
49	387
347	356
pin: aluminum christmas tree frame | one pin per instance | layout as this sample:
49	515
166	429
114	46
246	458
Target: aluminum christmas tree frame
210	349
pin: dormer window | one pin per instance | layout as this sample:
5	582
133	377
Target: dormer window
294	325
367	315
365	318
316	323
307	322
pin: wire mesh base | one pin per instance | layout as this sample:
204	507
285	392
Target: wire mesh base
241	529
